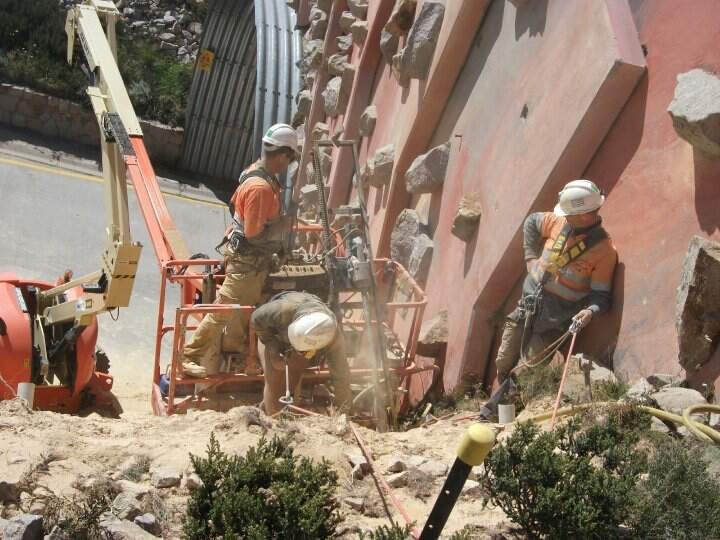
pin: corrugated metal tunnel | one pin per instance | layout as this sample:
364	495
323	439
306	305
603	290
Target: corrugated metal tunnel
250	85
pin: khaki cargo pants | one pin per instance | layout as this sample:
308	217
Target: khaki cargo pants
509	352
245	276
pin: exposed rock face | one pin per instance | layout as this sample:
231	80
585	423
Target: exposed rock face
467	218
698	303
695	110
426	174
676	400
368	120
417	55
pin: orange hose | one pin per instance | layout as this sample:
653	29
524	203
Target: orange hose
562	381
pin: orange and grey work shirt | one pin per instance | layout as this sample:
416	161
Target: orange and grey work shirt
586	282
256	202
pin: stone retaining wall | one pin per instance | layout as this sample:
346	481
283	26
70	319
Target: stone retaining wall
55	117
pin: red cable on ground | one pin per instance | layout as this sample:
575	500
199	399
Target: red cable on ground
562	381
379	477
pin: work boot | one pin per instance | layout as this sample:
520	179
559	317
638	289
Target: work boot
191	369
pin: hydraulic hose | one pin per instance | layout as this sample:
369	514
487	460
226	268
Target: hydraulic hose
700	430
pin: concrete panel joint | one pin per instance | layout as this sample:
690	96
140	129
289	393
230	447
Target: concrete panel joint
695	110
698	304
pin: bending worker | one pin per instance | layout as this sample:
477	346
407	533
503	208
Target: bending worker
300	328
255	236
570	262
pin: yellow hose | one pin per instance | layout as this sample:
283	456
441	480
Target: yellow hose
700	430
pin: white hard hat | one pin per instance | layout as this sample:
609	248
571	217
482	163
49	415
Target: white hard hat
281	136
312	332
579	197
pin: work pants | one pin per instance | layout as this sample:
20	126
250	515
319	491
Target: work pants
244	279
509	352
275	375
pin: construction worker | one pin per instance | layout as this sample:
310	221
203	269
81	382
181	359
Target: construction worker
254	238
570	263
299	328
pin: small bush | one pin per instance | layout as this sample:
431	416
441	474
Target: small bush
384	532
139	466
679	499
268	493
609	390
541	381
79	518
569	483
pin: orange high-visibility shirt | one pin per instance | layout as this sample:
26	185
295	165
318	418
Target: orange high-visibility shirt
256	203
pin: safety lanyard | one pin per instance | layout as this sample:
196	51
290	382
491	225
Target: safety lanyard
559	258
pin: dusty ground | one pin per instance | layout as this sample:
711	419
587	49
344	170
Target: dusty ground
77	450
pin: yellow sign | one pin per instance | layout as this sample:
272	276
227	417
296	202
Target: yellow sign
205	60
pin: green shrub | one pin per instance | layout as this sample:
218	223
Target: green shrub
573	482
268	493
539	382
679	499
385	532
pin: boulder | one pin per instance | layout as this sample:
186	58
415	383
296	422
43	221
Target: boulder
380	166
396	464
398	480
23	527
149	523
676	400
344	43
433	468
426	174
421	258
359	31
165	476
193	481
389	44
313	53
318	28
126	506
661	380
582	374
433	337
117	529
467	218
402	240
368	120
336	64
640	389
695	110
358	8
401	18
697	315
346	20
422	40
304	102
138	491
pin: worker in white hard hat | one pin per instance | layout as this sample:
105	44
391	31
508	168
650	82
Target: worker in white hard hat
250	244
300	328
570	263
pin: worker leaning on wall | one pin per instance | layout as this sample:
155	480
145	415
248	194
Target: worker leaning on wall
299	328
254	238
570	263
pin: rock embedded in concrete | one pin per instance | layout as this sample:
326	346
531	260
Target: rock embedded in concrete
433	337
389	44
23	527
337	63
676	400
402	239
421	258
422	40
401	18
149	523
427	172
346	20
368	120
398	480
344	43
467	218
381	166
320	132
359	31
313	53
165	476
697	316
695	110
304	102
318	28
335	99
358	8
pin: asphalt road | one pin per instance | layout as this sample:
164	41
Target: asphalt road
53	219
